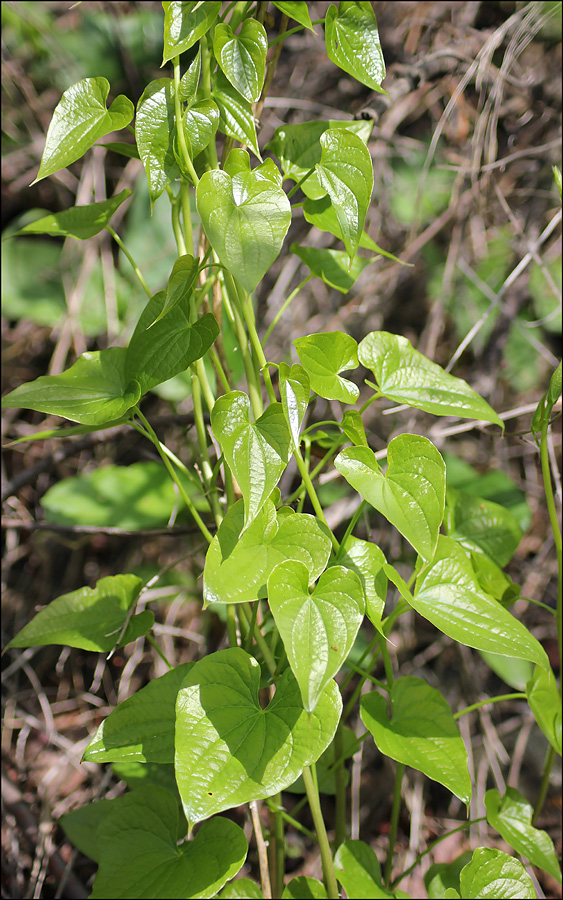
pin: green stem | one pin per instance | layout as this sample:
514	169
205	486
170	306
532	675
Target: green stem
371	400
473	706
232	625
296	187
293	31
313	495
352	525
316	812
155	646
553	518
259	638
236	312
182	146
134	265
270	801
206	470
544	786
341	785
176	227
431	847
277	849
187	216
394	823
281	311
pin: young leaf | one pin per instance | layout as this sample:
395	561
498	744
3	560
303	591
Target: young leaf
163	347
228	749
324	356
367	560
358	870
141	728
189	81
494	875
353	428
245	215
81	222
332	266
88	618
201	120
548	400
352	42
448	595
154	132
180	284
482	526
346	173
411	494
545	704
94	391
257	452
406	376
80	119
296	10
512	818
318	629
237	565
242	56
421	733
295	389
185	23
237	118
139	854
298	149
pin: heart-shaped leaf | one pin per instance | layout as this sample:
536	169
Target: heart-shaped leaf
155	126
332	266
406	376
421	733
545	704
237	566
352	42
94	391
448	595
228	749
512	818
242	56
318	629
237	117
298	149
139	854
296	10
257	452
245	217
79	120
88	618
367	560
324	355
81	222
411	494
494	875
295	389
358	870
163	347
141	728
346	173
482	526
185	23
201	120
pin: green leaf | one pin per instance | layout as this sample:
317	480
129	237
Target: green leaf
324	766
163	347
512	818
448	595
332	266
298	149
90	619
139	854
515	672
421	733
411	494
367	560
245	215
352	42
548	401
406	376
155	126
295	389
138	774
81	824
318	629
79	120
185	23
94	391
357	868
201	120
296	10
322	214
180	285
141	495
141	728
228	749
189	81
242	56
346	173
494	485
257	452
80	222
493	580
241	889
353	427
482	526
237	566
443	876
545	704
324	355
237	117
494	875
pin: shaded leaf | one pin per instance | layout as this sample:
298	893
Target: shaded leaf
81	222
482	526
545	704
332	266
